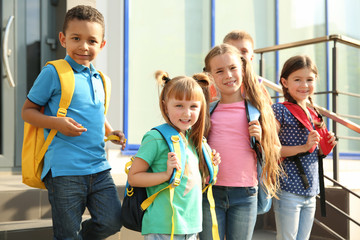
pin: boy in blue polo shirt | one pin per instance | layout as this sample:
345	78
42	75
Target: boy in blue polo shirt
76	172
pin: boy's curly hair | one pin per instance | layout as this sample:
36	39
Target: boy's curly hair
85	13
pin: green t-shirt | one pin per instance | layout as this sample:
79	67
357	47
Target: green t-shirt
187	201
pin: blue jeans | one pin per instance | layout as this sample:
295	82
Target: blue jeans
70	195
294	216
168	236
236	213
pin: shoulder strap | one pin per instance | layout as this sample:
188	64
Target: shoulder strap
252	113
67	83
176	144
212	106
107	89
301	116
213	170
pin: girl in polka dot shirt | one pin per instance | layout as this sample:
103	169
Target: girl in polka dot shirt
295	208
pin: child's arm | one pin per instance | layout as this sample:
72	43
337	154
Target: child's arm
313	139
109	131
67	126
139	177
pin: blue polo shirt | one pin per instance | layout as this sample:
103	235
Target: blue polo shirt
84	154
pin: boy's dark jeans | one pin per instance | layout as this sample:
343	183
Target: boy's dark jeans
70	195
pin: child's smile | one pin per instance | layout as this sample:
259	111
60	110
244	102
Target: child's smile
227	73
300	84
83	40
183	113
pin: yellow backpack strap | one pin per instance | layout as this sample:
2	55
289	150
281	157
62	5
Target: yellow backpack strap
67	83
107	89
147	202
214	169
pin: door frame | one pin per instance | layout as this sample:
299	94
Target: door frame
8	100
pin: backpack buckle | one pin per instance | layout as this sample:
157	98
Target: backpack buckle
175	138
177	178
176	182
61	112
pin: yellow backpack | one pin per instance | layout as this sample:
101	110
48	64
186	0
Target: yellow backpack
34	144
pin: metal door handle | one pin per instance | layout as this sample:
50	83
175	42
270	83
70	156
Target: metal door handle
7	52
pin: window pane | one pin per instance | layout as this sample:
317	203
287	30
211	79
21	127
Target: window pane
344	19
32	41
173	37
255	17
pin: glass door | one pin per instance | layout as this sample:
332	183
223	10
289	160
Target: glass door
7	86
28	39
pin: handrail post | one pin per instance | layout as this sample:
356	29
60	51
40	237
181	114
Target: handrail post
261	62
334	107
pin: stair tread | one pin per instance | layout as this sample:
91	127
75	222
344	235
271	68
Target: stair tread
25	224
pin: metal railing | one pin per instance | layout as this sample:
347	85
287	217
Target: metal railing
336	38
338	210
332	115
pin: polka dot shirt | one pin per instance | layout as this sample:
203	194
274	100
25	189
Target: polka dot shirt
292	133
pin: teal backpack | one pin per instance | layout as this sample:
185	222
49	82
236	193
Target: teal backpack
136	200
264	200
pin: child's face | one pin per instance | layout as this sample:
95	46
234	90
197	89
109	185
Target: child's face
183	113
300	84
227	73
83	41
245	48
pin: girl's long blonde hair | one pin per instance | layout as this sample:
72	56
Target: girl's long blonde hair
188	88
253	93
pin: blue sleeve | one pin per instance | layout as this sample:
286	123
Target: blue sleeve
278	109
46	85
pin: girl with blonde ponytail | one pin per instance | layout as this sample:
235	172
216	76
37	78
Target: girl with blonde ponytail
235	192
183	107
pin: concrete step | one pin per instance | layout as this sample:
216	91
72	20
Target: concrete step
34	229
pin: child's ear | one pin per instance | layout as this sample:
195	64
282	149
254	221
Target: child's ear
62	39
102	45
284	82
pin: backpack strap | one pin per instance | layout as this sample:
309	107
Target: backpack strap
213	170
252	113
67	83
107	89
213	105
176	144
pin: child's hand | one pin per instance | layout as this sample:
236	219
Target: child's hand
255	130
121	141
172	163
332	139
69	127
313	139
216	158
